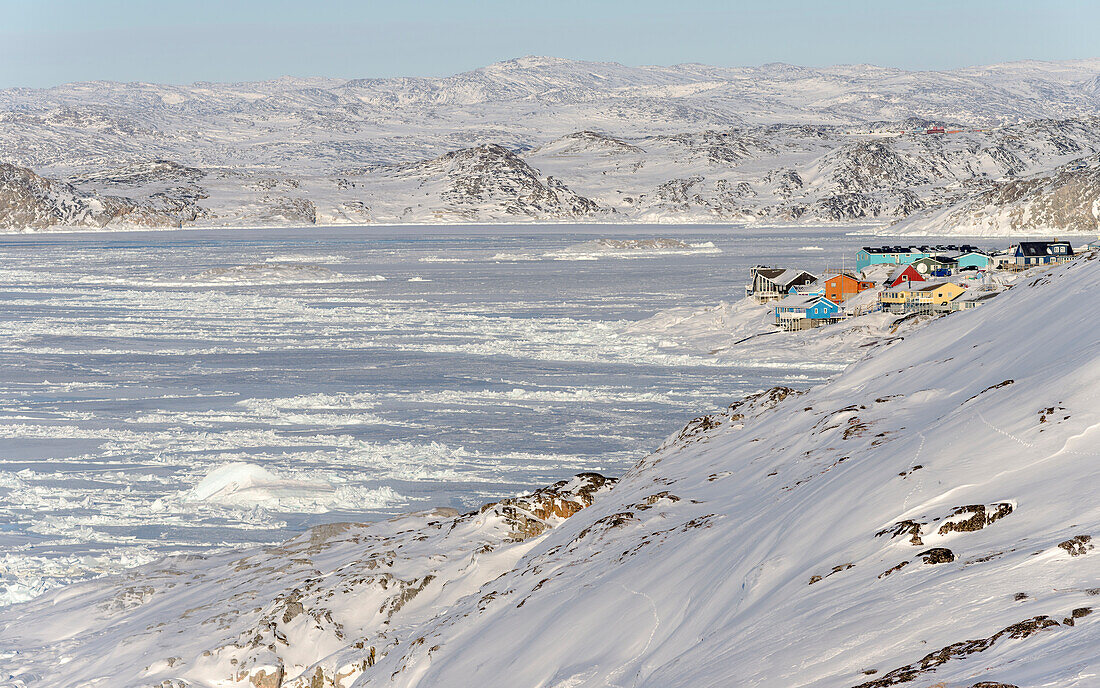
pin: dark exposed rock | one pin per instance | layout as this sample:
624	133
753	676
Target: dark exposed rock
530	515
999	385
491	177
911	528
892	569
937	555
980	517
929	662
836	569
1077	545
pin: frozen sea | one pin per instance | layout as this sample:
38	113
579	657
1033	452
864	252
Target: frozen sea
165	392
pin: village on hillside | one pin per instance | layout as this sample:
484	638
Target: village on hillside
902	280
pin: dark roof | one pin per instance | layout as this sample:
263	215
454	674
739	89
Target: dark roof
1042	248
770	273
919	249
892	249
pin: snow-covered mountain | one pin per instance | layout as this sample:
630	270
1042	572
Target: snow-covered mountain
688	143
927	516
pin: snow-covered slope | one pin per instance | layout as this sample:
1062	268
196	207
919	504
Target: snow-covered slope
1066	200
683	143
928	516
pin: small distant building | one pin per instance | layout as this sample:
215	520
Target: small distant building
935	266
902	275
976	259
971	299
798	312
1093	245
771	284
1005	259
1043	252
841	286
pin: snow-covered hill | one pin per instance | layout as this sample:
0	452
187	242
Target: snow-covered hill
31	202
928	516
1065	201
687	143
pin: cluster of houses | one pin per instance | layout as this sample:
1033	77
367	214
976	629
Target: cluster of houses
898	279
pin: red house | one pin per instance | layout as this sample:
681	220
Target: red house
903	274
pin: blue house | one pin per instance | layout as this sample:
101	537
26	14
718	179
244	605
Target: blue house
1043	252
803	311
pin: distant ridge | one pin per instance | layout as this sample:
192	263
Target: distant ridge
684	143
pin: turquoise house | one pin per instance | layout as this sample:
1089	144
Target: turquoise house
975	259
892	255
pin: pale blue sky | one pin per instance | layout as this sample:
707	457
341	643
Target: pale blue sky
46	42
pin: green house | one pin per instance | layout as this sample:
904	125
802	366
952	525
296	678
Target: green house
936	266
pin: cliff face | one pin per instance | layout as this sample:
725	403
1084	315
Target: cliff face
925	517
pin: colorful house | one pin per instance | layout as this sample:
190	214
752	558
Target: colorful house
975	259
935	266
841	286
798	312
1043	252
903	274
895	255
920	297
770	284
903	255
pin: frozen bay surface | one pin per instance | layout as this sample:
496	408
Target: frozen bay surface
165	392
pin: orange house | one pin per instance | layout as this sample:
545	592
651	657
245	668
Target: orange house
842	285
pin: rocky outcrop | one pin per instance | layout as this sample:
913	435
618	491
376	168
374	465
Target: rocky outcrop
286	617
1067	200
490	180
28	201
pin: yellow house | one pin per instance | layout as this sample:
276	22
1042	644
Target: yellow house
918	296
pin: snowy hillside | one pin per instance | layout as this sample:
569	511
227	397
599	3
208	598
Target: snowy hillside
928	516
32	202
553	139
1064	201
